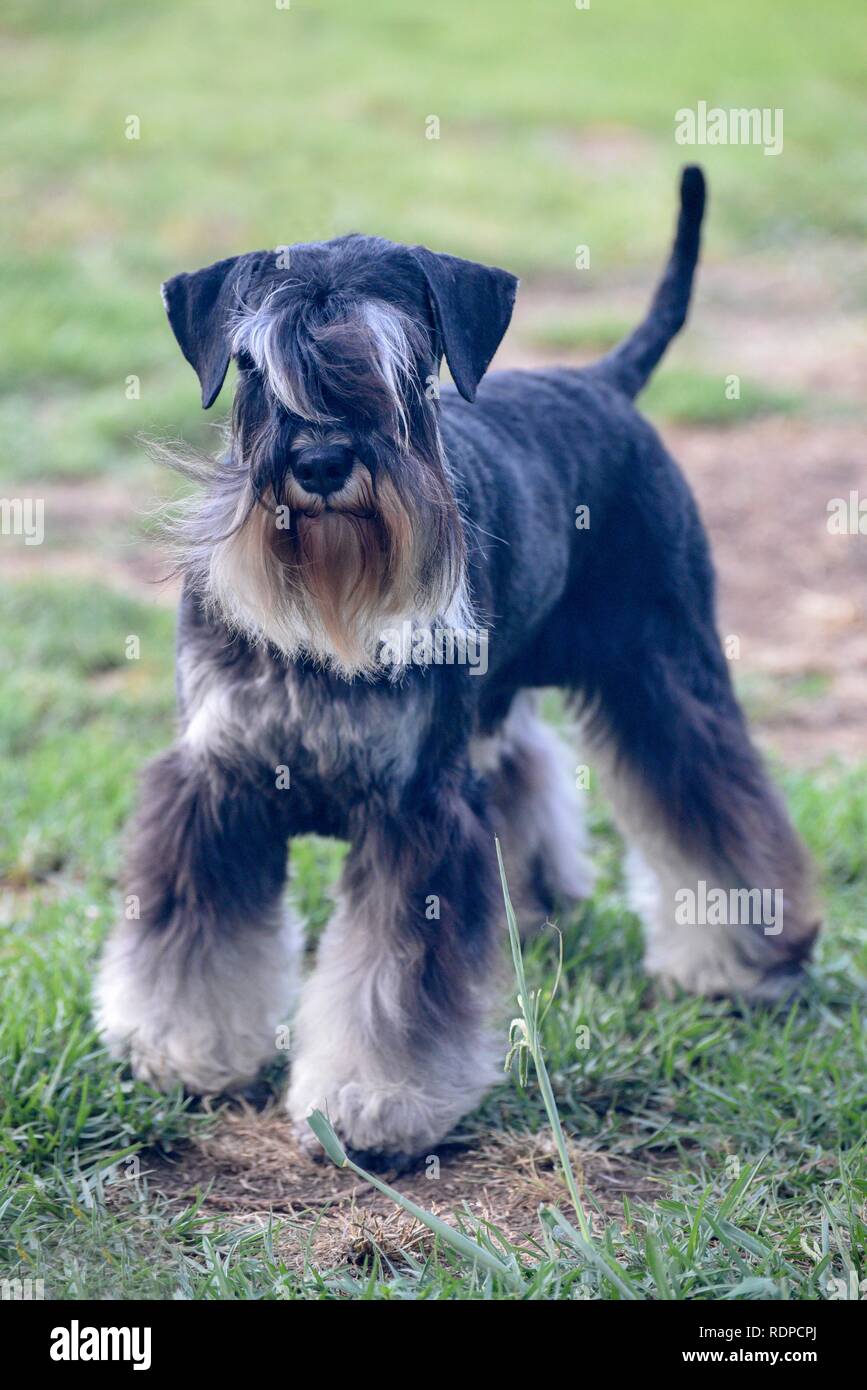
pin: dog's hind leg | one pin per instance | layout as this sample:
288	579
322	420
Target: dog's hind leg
716	871
197	977
537	812
392	1039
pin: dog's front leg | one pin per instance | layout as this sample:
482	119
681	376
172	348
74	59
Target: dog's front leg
393	1038
195	980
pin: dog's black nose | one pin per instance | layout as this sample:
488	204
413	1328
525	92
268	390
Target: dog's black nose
324	468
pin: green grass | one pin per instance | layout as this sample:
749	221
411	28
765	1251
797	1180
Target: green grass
580	335
677	395
751	1122
697	398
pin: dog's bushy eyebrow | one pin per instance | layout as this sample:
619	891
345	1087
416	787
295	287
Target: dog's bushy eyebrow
328	355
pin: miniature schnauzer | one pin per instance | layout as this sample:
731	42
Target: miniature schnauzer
356	500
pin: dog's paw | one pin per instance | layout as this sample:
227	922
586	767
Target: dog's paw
201	1066
732	979
382	1127
209	1026
780	985
198	1055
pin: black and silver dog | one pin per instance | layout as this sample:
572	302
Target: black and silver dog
354	501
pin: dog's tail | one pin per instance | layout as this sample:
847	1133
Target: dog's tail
630	364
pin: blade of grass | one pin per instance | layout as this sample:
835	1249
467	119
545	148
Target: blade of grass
604	1262
610	1266
535	1049
656	1266
456	1239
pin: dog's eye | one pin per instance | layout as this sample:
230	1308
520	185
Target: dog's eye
245	362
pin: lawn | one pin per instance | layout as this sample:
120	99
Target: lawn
736	1136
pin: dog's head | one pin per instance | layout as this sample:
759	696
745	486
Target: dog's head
332	513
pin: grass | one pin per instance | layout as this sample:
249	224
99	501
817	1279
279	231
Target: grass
697	398
676	395
596	335
751	1122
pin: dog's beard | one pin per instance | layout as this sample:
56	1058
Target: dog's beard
323	578
348	562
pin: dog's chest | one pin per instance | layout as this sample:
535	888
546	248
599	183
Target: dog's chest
341	742
357	740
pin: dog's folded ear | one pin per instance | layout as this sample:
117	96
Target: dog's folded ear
199	307
472	305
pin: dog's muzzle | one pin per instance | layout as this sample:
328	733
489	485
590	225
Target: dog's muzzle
323	468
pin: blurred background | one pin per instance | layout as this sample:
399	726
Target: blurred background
144	140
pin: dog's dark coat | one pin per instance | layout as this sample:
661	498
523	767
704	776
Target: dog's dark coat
620	613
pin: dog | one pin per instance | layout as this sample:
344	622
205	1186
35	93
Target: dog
356	500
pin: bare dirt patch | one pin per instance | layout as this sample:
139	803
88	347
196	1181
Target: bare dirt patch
793	593
95	530
253	1170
